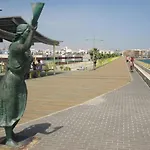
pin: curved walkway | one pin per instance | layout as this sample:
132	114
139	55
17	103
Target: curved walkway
118	120
55	93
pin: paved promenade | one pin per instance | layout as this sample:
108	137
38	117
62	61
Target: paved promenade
54	93
118	120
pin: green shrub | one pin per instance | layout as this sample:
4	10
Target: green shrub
67	69
61	67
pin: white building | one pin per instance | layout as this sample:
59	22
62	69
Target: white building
106	51
82	51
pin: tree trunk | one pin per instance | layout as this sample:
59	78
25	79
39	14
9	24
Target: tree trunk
94	65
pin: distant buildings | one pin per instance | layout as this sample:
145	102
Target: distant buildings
106	51
61	52
110	51
66	50
137	53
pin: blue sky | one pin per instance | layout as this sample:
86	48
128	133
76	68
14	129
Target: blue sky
122	24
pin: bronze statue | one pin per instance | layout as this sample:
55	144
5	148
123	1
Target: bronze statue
13	90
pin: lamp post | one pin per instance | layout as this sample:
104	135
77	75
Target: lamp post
54	48
94	41
93	51
54	55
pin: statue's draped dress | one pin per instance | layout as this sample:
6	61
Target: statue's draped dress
13	90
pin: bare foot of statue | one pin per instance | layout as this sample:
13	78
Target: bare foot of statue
9	137
11	143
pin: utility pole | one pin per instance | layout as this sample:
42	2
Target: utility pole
54	59
54	56
94	41
93	51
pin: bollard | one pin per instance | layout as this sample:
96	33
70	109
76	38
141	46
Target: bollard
30	75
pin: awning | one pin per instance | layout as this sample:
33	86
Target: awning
8	27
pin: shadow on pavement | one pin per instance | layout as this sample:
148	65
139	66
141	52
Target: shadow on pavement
35	129
29	133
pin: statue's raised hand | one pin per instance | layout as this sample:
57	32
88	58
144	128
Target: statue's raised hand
34	27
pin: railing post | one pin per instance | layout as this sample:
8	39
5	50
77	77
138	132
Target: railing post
54	72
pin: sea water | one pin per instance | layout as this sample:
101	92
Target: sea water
147	61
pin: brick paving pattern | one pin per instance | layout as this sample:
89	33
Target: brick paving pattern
119	120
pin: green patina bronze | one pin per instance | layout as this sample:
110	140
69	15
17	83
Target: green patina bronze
13	90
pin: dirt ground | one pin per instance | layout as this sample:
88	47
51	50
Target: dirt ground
54	93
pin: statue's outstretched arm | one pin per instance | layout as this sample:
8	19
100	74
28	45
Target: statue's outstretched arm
28	35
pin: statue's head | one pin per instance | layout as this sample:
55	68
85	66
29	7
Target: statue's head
21	28
19	31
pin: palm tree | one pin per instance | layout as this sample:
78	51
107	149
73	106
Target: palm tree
94	53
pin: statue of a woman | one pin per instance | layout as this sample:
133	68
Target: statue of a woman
13	90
